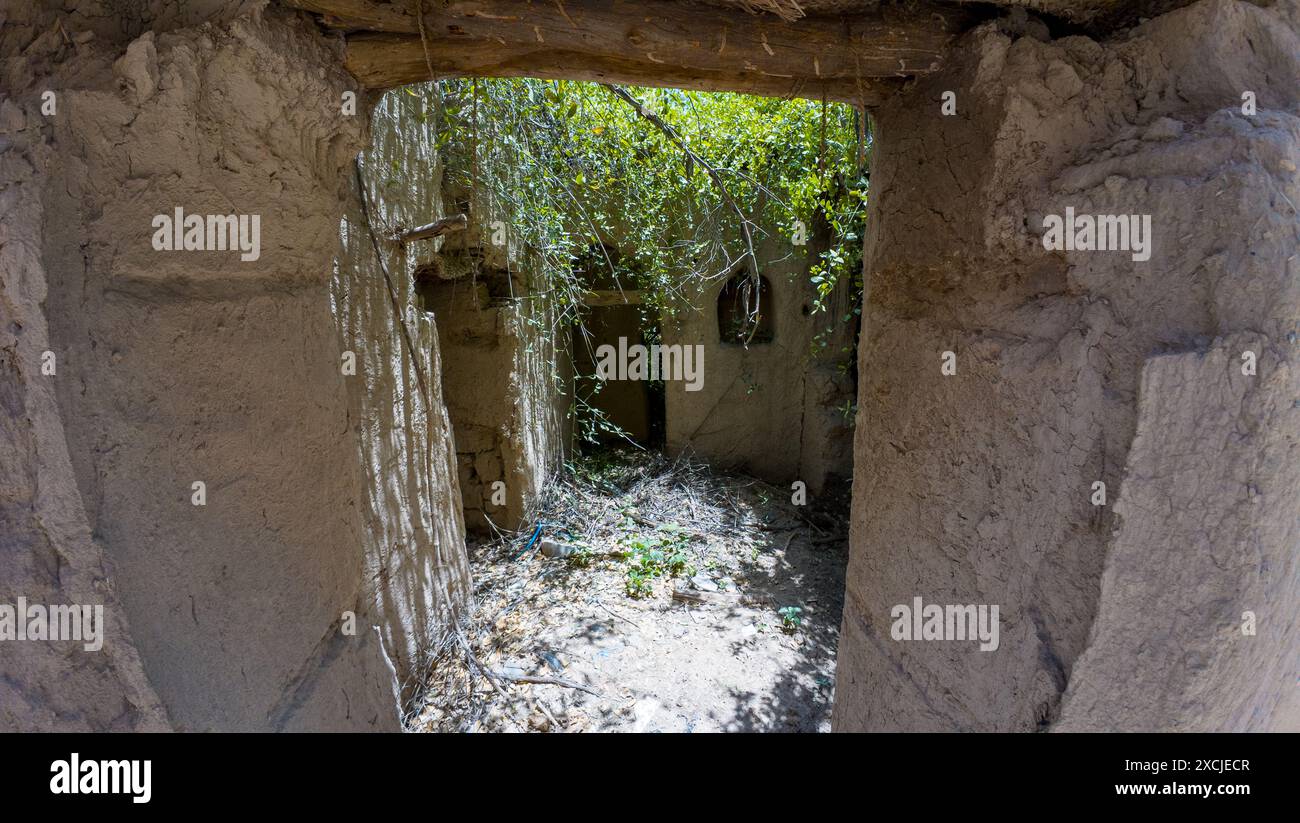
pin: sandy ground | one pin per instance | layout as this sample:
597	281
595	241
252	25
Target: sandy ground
650	663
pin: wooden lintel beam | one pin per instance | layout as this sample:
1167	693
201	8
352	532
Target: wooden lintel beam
362	15
643	42
384	61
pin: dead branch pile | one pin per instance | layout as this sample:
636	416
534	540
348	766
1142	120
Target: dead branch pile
603	507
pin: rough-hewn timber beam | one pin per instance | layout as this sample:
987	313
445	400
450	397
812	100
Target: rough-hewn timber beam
642	42
364	15
383	61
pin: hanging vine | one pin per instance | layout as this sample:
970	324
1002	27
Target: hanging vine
688	187
677	180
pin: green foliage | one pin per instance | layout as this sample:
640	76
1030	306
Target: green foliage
791	619
662	552
568	166
582	556
637	583
572	171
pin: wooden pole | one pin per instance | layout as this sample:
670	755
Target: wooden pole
645	43
437	228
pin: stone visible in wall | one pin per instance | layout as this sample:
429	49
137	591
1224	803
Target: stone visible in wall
479	459
472	438
475	381
487	465
1074	368
505	405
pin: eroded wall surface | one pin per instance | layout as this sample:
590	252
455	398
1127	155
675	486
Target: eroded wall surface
416	571
177	367
1072	368
779	410
506	371
47	551
1083	367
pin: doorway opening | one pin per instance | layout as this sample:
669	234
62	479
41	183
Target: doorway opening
647	332
613	412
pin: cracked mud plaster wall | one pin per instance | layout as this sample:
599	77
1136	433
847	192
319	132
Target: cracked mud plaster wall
1084	366
415	564
506	369
506	383
775	410
176	367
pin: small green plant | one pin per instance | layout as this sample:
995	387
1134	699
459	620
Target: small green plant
663	552
790	618
637	582
678	563
581	557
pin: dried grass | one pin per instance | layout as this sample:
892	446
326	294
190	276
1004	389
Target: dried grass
519	595
785	9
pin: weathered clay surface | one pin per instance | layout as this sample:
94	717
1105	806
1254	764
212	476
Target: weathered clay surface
1082	367
329	493
775	409
182	367
506	375
47	553
416	571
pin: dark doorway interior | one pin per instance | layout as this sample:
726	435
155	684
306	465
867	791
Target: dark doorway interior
624	409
